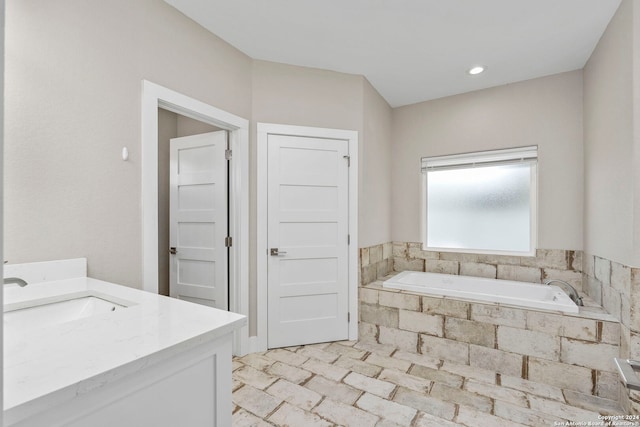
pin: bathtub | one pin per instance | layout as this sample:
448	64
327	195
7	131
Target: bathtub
508	292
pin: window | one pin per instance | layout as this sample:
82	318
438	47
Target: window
482	202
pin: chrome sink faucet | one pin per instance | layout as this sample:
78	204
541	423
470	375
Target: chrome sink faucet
573	294
16	280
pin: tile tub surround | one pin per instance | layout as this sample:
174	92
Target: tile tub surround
613	288
617	288
378	261
375	261
572	352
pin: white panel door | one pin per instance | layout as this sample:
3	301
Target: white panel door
307	239
198	219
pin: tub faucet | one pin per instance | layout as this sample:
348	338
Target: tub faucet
573	294
17	280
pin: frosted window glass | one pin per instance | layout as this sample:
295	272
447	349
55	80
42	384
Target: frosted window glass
482	208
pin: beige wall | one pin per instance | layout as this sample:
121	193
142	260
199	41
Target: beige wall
546	112
74	102
73	88
292	95
374	196
187	126
612	177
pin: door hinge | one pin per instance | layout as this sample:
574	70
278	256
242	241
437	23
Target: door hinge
348	239
348	317
228	241
227	154
348	160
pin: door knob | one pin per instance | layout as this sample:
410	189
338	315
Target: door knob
276	252
173	251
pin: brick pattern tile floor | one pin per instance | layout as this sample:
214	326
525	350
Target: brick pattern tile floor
366	384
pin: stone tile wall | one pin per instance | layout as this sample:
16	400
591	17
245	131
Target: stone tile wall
378	261
570	352
375	262
617	288
564	352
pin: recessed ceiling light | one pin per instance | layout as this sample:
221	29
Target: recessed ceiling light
477	70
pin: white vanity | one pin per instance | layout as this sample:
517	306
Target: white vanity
83	352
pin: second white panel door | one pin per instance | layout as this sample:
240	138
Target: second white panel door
198	219
307	240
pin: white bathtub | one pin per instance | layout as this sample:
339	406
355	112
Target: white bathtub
520	294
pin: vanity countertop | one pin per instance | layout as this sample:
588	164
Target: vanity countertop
55	362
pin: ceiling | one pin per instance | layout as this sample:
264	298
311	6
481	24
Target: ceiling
413	50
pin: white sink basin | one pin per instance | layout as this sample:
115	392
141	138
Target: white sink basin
46	313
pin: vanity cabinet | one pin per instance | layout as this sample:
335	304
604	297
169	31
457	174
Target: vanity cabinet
192	388
154	361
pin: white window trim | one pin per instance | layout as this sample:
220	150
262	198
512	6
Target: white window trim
466	160
479	158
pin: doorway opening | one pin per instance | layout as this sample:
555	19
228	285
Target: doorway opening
156	100
172	126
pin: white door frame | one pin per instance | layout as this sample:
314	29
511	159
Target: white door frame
264	129
154	96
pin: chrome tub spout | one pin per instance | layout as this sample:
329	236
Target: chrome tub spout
573	294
